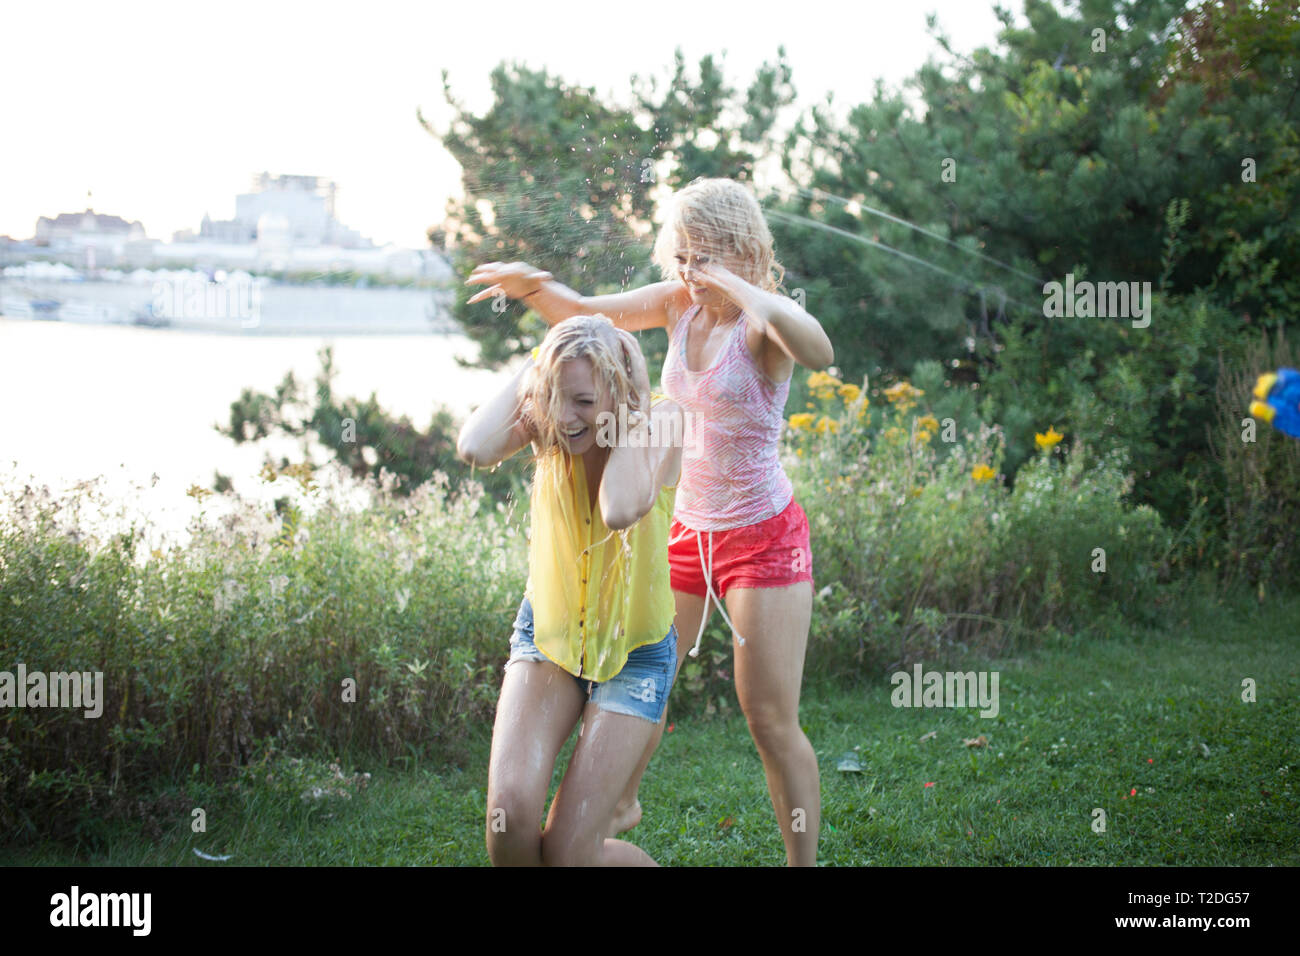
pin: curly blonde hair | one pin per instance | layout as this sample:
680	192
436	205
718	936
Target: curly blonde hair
593	337
721	219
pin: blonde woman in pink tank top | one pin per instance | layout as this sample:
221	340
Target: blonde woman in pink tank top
739	542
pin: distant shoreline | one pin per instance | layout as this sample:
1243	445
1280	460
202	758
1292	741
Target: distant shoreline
242	309
223	327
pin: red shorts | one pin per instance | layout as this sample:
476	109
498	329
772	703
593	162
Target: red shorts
771	554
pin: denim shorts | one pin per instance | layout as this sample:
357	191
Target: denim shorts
640	689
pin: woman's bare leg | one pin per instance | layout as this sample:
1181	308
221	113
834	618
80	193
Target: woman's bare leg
687	621
579	826
769	673
538	707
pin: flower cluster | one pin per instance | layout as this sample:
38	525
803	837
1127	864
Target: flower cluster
834	397
838	406
1049	440
823	385
903	395
906	426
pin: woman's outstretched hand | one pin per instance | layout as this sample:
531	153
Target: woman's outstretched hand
513	279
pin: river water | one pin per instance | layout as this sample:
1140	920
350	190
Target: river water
129	403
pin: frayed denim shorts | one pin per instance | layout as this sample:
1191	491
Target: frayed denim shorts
640	689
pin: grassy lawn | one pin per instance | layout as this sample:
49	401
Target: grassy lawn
1150	727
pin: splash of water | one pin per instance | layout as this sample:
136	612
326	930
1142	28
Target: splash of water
821	194
959	280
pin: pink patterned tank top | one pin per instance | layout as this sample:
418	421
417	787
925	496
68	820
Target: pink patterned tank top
731	473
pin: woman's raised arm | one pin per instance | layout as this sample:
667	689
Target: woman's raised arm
495	431
641	461
644	308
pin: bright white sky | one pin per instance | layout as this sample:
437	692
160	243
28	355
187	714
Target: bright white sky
165	111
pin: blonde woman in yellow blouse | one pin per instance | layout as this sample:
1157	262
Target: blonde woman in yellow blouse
594	638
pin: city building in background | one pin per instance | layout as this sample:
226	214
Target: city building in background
301	206
286	224
90	237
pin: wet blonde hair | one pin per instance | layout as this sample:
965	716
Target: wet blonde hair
592	337
721	219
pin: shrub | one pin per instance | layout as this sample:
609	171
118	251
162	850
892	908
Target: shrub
1259	507
242	640
919	546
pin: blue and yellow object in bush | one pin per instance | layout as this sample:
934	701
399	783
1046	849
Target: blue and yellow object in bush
1278	400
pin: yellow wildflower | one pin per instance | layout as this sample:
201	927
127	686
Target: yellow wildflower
1050	439
822	380
982	473
928	422
903	392
823	386
802	420
922	436
849	392
894	433
827	424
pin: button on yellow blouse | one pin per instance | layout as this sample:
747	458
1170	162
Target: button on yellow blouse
596	594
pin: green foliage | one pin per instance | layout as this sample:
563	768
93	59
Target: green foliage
1187	775
362	436
1048	155
243	640
1105	139
553	177
1243	58
1122	163
559	179
1147	392
1258	470
918	548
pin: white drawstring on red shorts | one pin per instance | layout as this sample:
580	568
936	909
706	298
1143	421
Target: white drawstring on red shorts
707	568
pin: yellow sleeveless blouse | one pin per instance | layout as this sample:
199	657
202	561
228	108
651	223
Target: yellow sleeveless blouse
596	594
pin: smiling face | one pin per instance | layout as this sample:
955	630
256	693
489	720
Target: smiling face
579	403
581	372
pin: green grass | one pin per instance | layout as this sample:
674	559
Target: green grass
1082	724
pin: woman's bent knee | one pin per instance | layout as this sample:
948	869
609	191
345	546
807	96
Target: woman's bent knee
511	838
